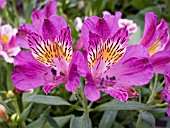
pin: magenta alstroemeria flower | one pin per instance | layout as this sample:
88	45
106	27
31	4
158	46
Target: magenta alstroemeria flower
7	46
48	12
155	39
165	93
51	60
110	66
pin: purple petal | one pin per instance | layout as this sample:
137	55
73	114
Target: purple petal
73	77
91	92
117	91
162	32
28	73
168	111
52	26
57	53
37	21
50	9
134	68
159	61
149	35
95	25
100	58
167	46
50	84
112	22
22	34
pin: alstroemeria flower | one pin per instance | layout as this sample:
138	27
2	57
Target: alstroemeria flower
165	93
51	60
48	12
110	65
7	46
155	39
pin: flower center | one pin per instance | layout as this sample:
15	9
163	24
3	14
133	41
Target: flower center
4	39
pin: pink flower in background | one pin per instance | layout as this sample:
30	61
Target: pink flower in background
128	24
155	39
7	46
110	65
125	23
2	3
51	60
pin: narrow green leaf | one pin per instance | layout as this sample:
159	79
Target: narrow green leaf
51	121
40	121
81	122
61	121
49	100
108	119
25	113
118	105
148	117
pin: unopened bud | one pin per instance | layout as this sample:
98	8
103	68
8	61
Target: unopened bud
10	94
73	97
3	113
15	117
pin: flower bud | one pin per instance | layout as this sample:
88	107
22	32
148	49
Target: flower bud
10	94
3	113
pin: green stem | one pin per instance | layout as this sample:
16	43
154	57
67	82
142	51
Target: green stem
153	90
81	101
138	123
15	12
160	85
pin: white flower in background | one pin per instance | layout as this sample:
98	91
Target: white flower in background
78	23
7	46
129	24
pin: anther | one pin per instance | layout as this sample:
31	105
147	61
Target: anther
53	71
61	73
112	78
107	77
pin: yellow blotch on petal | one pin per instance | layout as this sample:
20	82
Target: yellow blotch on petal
154	48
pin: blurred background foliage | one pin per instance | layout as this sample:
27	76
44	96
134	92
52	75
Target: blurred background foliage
18	12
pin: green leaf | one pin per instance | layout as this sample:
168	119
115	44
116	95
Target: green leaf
61	121
148	117
81	122
108	119
118	105
40	121
25	113
51	121
159	110
48	100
